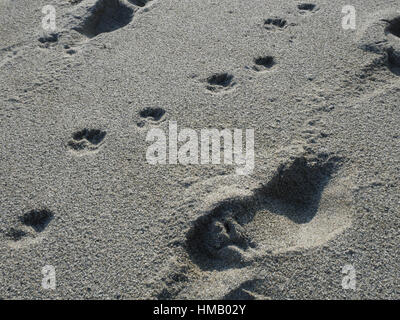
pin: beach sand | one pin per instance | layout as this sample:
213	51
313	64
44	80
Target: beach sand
78	193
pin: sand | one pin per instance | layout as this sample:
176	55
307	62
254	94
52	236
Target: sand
79	195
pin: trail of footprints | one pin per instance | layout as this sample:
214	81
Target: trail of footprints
221	236
103	16
229	234
224	81
224	236
381	39
91	140
220	82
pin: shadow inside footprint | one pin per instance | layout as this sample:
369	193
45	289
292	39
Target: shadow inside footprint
307	6
37	219
263	63
394	27
218	240
94	136
139	3
220	81
49	38
298	188
384	43
393	60
270	23
105	16
154	114
393	52
89	139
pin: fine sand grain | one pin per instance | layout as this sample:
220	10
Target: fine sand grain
79	194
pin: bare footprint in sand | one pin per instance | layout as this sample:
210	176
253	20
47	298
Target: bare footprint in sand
302	206
91	18
104	16
382	37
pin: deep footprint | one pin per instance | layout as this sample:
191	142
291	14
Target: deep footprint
393	52
222	238
87	139
300	184
105	16
218	235
37	219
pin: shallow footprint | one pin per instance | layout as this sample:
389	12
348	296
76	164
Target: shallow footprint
220	82
307	7
263	63
152	115
275	24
